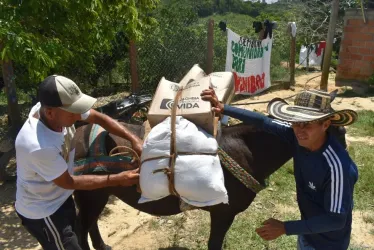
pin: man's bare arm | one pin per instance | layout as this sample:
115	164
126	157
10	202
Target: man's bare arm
89	182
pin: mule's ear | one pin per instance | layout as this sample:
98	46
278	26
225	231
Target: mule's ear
333	94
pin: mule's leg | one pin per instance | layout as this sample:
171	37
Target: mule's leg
221	220
91	204
98	243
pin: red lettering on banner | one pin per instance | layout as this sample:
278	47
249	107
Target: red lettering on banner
249	84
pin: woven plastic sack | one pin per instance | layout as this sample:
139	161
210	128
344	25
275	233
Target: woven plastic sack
199	178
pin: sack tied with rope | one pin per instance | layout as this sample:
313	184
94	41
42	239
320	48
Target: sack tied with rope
197	174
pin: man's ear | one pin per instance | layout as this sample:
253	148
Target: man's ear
326	124
49	112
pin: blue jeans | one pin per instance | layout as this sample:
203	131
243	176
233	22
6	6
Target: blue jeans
302	244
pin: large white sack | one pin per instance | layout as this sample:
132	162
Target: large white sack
199	179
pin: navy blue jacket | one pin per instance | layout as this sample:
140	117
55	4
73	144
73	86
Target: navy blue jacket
324	184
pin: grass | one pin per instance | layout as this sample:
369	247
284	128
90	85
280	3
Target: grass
364	126
362	155
277	201
369	218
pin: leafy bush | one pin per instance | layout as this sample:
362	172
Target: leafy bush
371	80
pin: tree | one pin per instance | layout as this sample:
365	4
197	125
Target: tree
46	35
52	36
174	46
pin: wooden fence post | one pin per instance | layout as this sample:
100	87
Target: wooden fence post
292	54
133	68
329	43
210	46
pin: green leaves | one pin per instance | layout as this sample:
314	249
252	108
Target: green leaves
46	36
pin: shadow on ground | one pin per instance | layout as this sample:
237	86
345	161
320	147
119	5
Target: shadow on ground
12	234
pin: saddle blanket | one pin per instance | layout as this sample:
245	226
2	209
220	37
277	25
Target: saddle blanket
98	161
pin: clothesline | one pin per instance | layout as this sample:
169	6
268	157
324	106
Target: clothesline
312	51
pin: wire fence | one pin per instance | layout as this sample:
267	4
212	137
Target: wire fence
168	51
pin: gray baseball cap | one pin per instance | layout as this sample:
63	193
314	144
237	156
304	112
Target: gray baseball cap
61	92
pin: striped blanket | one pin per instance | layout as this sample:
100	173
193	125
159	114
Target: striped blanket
98	161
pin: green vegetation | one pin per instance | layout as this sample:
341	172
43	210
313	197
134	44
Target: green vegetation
362	154
364	125
68	37
371	80
89	41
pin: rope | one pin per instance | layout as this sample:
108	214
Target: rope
235	169
173	146
249	181
310	80
170	170
179	153
137	158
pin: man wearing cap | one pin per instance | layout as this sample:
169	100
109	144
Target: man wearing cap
325	174
45	158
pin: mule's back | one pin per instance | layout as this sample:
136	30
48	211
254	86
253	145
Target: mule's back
258	152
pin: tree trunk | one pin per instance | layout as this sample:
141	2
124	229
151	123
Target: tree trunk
10	89
292	61
210	46
307	59
329	43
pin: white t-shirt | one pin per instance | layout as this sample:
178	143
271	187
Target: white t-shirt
42	156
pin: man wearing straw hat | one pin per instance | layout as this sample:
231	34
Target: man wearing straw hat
45	159
325	174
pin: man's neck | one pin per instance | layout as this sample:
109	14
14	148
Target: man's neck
319	143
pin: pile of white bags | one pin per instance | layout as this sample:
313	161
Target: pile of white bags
199	178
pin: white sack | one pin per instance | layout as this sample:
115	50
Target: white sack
199	179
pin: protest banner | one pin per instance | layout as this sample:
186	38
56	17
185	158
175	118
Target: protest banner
249	60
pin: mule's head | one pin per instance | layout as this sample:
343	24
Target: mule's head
339	132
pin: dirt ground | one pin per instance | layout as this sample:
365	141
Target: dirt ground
302	82
125	228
